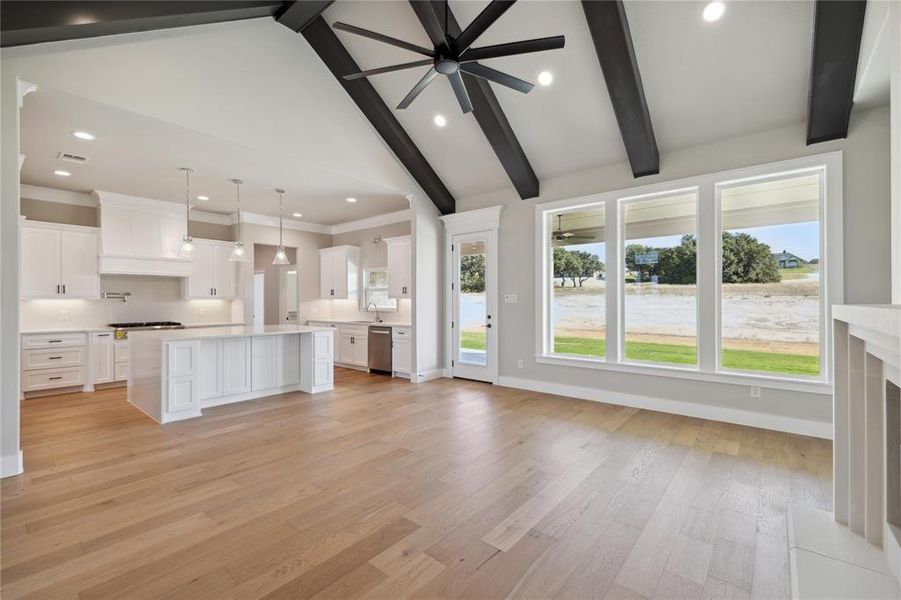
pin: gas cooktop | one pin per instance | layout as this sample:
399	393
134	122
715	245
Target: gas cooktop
148	325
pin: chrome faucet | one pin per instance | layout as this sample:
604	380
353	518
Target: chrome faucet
374	305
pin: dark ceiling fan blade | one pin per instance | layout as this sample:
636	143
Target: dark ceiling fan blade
417	89
486	19
409	65
456	81
523	47
496	76
383	38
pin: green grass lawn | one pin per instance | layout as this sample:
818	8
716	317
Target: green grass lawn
799	272
745	360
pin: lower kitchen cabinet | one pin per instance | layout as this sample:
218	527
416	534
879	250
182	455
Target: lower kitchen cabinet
288	359
264	357
236	365
401	351
102	358
182	385
353	345
53	360
211	369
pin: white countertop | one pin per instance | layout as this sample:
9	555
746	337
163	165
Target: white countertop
222	332
884	318
101	328
349	322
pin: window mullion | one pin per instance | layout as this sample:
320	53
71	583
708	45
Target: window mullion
708	273
614	280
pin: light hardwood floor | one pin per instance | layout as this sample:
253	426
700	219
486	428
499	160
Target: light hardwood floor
387	490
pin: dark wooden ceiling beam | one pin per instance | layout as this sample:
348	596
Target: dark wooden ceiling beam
486	108
326	44
613	43
23	23
838	28
297	15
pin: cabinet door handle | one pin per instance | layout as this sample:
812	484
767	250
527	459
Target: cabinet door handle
64	288
57	288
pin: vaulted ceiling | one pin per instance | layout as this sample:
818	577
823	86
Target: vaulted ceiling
259	84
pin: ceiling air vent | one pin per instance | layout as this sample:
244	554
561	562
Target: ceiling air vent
69	157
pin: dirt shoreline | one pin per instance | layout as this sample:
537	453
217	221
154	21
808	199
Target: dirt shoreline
802	348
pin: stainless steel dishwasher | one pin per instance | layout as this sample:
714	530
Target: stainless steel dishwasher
379	348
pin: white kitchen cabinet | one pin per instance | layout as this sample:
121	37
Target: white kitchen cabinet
401	353
102	358
120	360
316	350
236	365
182	384
52	360
211	375
339	272
264	359
212	275
288	359
399	266
353	345
59	261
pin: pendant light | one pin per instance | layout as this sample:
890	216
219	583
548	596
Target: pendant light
281	257
238	252
187	242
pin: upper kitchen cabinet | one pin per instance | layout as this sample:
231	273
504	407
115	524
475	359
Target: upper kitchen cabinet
59	261
399	267
212	274
339	272
141	236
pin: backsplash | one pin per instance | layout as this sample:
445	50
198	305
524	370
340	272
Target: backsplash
152	299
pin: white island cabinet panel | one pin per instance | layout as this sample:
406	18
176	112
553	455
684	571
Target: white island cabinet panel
236	365
264	357
175	374
211	375
288	360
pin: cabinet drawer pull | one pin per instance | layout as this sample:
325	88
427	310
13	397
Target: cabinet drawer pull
54	341
57	377
102	335
53	357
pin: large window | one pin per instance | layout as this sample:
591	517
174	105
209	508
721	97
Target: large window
578	284
660	322
729	274
770	275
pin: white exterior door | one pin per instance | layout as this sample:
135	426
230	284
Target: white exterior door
473	299
79	275
40	263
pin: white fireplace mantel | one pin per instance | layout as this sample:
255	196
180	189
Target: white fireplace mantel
855	552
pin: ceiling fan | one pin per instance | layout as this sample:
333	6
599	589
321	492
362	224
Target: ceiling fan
559	235
455	55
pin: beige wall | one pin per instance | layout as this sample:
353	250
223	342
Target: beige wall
866	249
55	212
372	254
263	255
210	231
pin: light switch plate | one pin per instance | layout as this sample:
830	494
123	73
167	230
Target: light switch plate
510	298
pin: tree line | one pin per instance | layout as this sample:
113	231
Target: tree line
745	260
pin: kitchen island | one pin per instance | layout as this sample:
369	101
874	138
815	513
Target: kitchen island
174	374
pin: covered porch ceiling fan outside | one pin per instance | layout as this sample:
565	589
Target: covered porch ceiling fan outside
455	55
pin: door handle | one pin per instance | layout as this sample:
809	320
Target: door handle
488	325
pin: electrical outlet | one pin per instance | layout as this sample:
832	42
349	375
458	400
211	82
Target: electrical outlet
511	298
755	391
63	315
519	363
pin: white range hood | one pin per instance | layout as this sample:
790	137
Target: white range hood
140	236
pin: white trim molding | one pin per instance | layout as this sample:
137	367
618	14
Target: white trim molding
269	221
819	429
399	216
12	465
45	194
482	219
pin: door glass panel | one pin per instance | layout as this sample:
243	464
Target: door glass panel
473	315
660	279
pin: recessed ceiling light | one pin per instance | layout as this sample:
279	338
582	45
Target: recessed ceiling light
61	173
298	215
203	198
84	135
713	11
545	78
440	121
351	200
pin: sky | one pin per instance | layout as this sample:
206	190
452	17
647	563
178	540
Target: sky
800	239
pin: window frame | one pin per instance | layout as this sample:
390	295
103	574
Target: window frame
708	231
366	288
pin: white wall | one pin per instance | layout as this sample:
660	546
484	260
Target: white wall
10	455
428	286
895	46
866	244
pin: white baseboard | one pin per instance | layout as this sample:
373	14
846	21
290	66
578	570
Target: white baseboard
12	465
428	375
809	427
